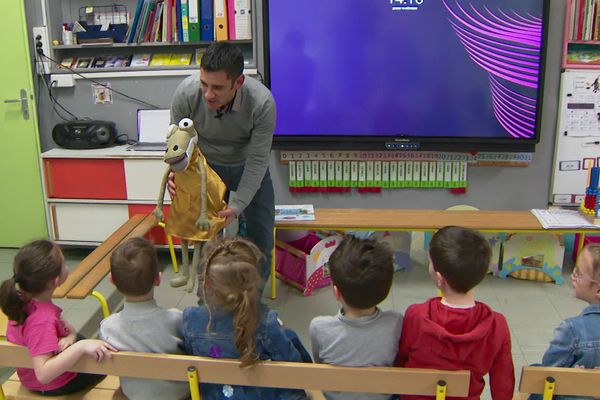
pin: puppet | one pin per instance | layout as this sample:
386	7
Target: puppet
200	195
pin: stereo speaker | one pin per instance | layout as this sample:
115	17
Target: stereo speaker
84	134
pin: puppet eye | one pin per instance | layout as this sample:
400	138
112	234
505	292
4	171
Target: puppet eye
186	124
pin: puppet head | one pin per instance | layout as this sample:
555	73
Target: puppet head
181	141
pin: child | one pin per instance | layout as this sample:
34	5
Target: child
36	323
142	325
360	334
233	323
456	332
576	340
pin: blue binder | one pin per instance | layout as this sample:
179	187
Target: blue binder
207	33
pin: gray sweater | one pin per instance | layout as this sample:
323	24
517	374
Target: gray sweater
242	136
148	328
364	342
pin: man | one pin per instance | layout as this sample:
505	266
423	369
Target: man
235	119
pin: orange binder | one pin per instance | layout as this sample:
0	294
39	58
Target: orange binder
221	20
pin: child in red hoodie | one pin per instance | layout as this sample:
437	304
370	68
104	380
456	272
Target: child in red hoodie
455	332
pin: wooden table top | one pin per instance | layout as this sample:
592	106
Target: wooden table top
404	219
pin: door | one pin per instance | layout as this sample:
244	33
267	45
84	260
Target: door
22	210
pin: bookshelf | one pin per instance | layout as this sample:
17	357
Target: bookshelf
581	45
69	11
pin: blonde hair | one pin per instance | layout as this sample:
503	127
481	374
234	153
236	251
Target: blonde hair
232	282
594	250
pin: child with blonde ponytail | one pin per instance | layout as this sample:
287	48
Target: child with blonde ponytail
36	323
233	323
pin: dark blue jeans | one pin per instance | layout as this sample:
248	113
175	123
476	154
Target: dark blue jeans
259	215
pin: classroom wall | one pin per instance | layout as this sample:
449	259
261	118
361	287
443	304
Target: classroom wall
489	187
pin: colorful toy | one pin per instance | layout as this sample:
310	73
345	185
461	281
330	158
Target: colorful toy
535	256
303	262
200	193
591	202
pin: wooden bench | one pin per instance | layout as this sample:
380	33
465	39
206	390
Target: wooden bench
82	281
311	377
550	381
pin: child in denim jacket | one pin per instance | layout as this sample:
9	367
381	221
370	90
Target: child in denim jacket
576	340
234	324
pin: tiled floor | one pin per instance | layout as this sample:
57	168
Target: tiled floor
533	309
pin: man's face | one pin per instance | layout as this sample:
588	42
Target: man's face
217	88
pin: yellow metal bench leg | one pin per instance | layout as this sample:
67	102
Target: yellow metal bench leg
273	272
171	249
549	384
194	381
103	303
440	390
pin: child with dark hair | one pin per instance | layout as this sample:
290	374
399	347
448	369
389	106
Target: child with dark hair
142	325
36	323
361	334
234	324
576	341
455	332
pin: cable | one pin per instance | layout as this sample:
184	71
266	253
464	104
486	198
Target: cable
101	84
52	99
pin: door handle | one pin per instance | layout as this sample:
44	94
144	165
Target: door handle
24	104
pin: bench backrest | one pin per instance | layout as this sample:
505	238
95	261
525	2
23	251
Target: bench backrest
567	381
266	374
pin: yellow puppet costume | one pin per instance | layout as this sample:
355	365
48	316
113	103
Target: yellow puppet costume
199	196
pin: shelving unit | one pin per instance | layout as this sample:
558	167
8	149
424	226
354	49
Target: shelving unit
68	12
579	54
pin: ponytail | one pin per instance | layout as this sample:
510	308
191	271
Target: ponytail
35	265
12	301
232	282
245	321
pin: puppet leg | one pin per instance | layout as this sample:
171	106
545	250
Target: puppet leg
182	278
194	268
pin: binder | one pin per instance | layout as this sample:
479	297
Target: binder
377	174
221	30
178	32
207	30
242	20
231	19
455	174
463	174
185	21
194	20
362	174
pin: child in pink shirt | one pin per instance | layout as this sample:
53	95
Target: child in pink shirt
36	323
